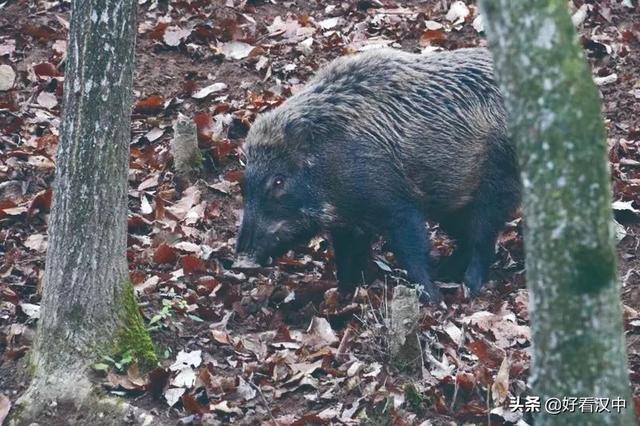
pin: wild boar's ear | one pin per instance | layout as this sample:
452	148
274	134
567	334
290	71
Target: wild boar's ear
299	131
299	134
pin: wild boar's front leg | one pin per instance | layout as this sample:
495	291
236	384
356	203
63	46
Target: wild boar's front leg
352	248
406	232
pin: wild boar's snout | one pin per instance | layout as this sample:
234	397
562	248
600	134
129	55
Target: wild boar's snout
258	239
245	238
246	245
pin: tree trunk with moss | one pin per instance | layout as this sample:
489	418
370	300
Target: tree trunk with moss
88	305
576	316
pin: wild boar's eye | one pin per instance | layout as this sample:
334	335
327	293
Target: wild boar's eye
278	181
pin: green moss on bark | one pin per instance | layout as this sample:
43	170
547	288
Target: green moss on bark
594	269
133	336
198	162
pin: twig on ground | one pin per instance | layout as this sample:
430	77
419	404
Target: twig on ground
347	337
264	400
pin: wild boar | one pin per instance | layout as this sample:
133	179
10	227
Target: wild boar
375	144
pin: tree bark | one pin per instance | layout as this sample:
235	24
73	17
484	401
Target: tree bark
88	306
576	316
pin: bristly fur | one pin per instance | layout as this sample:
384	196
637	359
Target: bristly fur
383	140
417	112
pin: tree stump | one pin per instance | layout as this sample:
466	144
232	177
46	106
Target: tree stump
187	158
404	345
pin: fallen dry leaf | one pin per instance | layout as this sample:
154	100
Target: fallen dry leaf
172	395
503	327
206	91
46	69
164	253
457	12
190	197
320	334
236	49
224	407
37	242
500	387
30	310
185	365
149	105
186	360
47	100
173	36
7	48
5	406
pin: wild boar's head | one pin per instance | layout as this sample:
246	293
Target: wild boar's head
281	201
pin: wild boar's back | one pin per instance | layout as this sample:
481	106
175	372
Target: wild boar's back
436	118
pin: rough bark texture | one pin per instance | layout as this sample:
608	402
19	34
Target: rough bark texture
88	307
576	317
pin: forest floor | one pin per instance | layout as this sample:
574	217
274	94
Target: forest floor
252	347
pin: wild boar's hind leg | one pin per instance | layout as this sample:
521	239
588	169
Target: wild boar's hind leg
351	248
482	242
498	195
406	232
455	225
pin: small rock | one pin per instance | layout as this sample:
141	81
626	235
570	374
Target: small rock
7	77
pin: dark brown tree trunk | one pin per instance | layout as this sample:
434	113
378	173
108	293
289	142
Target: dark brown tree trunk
88	305
576	315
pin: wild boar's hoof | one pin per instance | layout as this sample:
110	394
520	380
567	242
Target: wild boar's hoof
429	294
475	287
